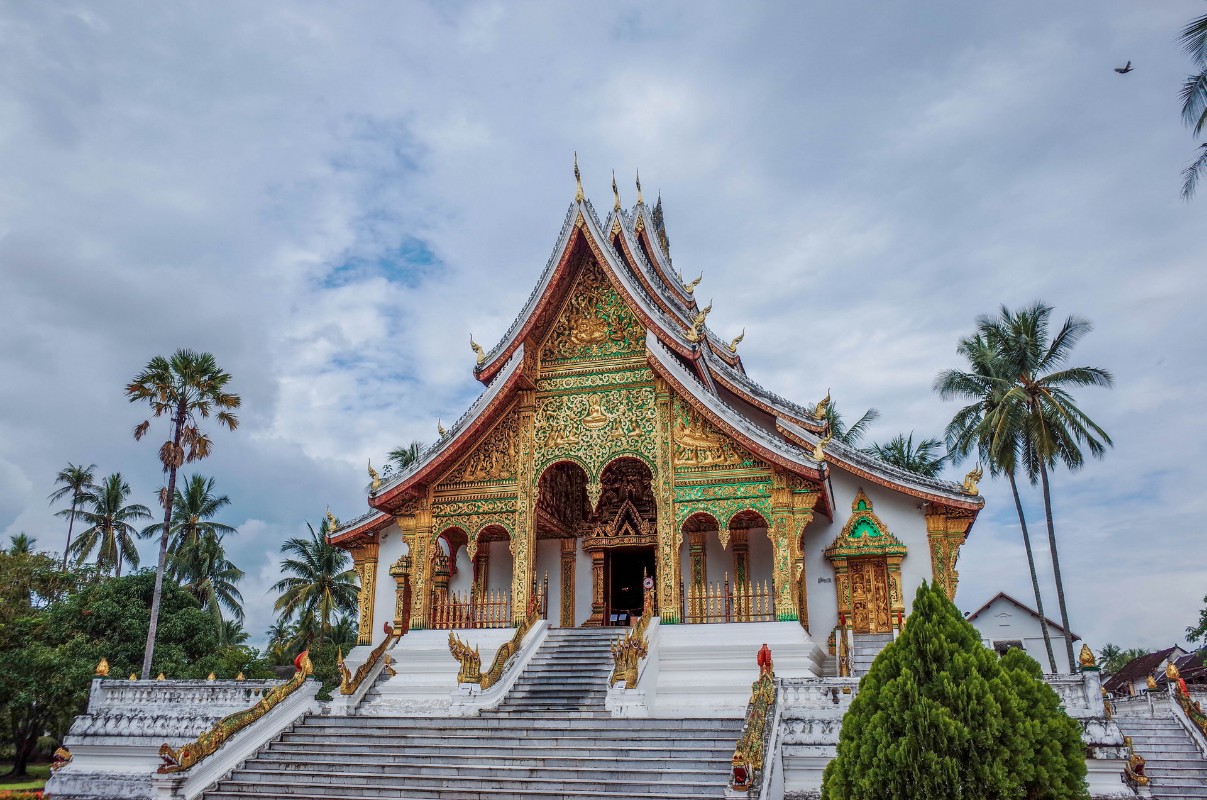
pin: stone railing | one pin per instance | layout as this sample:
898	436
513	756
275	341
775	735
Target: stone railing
746	766
350	682
161	708
802	696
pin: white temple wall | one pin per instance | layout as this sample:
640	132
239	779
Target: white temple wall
582	584
463	578
390	549
549	561
498	573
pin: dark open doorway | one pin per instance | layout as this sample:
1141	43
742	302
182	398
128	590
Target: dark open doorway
626	569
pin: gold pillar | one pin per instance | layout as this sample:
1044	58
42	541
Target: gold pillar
421	565
945	534
803	518
364	561
783	549
400	571
670	536
896	596
699	575
481	568
523	538
569	554
598	610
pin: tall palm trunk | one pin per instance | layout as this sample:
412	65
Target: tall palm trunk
153	627
1039	602
1060	589
75	501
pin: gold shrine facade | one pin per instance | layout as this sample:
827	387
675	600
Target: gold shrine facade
620	448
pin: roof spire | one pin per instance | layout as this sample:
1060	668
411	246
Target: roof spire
639	200
578	181
615	193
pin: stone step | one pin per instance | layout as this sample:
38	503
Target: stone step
471	724
327	759
373	774
439	793
569	738
346	786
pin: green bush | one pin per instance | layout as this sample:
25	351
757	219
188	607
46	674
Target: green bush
938	716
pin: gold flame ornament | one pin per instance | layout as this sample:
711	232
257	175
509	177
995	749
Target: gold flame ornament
691	287
374	478
578	180
694	333
1086	657
640	202
819	449
971	479
160	677
615	193
479	353
440	429
332	522
1152	684
733	345
133	676
819	410
240	677
211	677
102	669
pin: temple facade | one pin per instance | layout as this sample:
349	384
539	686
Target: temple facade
620	450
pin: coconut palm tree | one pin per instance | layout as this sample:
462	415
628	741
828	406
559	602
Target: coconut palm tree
21	544
984	427
75	481
852	435
232	633
900	451
193	510
204	571
1039	405
404	456
110	531
185	388
319	582
1194	98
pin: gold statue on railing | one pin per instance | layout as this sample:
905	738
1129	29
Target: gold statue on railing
470	660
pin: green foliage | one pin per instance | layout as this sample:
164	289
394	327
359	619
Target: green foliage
1197	633
938	717
1112	658
324	657
319	584
1194	98
110	531
922	459
852	435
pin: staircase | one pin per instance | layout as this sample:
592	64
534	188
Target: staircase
867	646
1173	764
550	738
568	675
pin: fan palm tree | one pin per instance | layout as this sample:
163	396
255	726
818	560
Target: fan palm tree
1051	428
319	582
185	387
1194	98
110	531
852	435
982	427
900	451
75	481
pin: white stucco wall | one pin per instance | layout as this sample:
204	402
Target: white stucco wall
390	550
549	562
1005	621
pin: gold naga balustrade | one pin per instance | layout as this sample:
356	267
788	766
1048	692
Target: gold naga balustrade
746	766
1192	710
628	652
471	660
189	755
726	602
1133	770
348	682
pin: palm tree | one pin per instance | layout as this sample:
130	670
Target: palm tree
319	582
1052	429
1194	98
232	633
404	456
281	636
21	544
900	451
1109	653
75	481
982	426
111	532
204	571
193	510
184	387
853	435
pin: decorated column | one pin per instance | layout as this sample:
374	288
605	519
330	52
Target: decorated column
420	525
598	610
481	561
669	532
782	535
569	547
364	561
523	538
699	575
400	571
946	531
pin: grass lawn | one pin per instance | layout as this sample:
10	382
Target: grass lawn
38	774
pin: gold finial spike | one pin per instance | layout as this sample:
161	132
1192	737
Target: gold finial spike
374	477
240	677
332	522
102	669
578	180
819	449
970	482
693	333
1171	672
479	353
640	201
733	345
440	429
211	677
133	676
819	410
615	193
691	287
160	677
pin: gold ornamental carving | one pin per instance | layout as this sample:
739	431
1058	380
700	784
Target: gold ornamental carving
946	533
595	322
594	428
494	459
698	444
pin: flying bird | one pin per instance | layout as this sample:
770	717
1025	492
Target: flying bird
1125	68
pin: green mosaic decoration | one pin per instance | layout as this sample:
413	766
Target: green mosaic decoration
596	427
723	501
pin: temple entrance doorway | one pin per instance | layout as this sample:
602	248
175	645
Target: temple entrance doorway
870	608
627	569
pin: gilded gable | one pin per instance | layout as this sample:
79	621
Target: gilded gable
594	323
699	444
494	460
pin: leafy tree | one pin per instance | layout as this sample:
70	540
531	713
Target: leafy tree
110	531
1040	406
984	427
185	387
938	716
900	451
852	435
1194	98
74	481
1121	659
319	583
1197	633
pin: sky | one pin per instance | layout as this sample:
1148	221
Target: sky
331	198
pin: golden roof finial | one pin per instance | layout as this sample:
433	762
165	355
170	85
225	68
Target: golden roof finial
578	180
332	522
970	480
819	449
240	677
479	353
615	193
102	669
374	477
819	410
160	677
691	287
211	677
693	333
1150	683
733	346
1085	659
440	429
639	200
